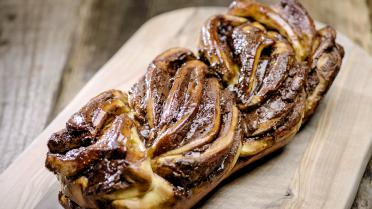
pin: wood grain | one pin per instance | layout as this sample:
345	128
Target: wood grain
364	197
33	51
102	27
341	125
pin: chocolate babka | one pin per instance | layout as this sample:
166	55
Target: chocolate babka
192	120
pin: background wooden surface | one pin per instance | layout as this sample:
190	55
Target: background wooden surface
50	48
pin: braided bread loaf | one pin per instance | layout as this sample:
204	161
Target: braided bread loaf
190	121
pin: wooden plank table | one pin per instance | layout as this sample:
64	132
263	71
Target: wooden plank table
50	48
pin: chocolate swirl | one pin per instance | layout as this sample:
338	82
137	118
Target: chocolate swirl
191	121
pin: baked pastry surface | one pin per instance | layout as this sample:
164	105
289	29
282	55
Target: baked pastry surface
192	120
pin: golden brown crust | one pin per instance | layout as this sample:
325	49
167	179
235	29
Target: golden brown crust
325	62
288	17
189	123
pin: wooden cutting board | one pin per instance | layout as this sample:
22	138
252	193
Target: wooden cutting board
320	168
